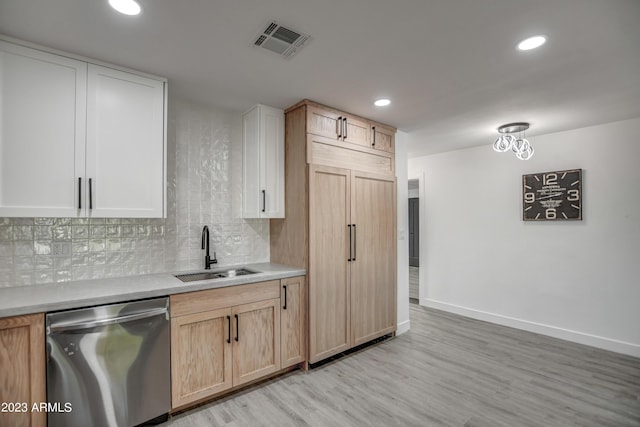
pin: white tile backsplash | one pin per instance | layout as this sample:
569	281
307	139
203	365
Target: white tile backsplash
204	169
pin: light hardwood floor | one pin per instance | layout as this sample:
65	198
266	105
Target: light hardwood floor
414	273
446	371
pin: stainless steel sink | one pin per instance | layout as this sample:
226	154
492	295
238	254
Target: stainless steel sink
216	274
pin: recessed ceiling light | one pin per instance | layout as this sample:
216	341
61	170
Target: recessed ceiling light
127	7
382	102
532	42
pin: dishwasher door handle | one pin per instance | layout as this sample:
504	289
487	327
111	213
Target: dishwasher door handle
63	327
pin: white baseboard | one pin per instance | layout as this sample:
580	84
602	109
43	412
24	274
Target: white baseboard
552	331
403	327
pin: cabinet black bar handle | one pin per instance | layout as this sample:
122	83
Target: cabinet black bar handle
355	242
237	329
79	193
350	242
90	195
339	127
284	307
345	129
264	200
374	135
229	329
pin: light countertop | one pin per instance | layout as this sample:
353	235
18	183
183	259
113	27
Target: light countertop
83	293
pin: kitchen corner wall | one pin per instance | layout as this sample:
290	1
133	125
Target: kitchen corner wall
204	168
575	280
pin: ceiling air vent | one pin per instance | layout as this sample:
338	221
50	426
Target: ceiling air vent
281	40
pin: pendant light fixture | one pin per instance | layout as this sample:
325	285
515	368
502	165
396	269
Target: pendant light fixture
512	138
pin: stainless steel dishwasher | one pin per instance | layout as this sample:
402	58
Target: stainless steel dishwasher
109	365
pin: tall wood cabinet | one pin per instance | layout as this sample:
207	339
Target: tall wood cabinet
343	232
22	376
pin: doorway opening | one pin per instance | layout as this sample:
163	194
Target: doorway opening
414	241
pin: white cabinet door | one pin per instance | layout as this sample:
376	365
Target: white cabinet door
42	133
263	163
272	161
251	187
125	144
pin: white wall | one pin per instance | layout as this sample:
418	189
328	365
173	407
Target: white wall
577	280
403	233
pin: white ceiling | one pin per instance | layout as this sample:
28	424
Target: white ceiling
449	66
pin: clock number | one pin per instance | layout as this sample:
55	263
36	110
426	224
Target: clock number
550	213
529	197
550	179
573	195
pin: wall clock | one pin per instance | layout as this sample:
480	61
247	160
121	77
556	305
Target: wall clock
552	196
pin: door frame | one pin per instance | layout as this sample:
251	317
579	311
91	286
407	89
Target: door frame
420	177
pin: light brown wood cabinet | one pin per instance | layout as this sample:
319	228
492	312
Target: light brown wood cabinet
226	337
352	259
338	125
201	363
343	231
256	345
373	265
383	138
22	372
293	341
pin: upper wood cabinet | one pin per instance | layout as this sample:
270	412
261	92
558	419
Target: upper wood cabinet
383	138
337	125
22	377
336	138
79	139
263	163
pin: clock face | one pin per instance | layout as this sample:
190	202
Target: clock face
552	196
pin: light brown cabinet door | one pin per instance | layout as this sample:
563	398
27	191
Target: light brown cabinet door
22	370
201	363
292	319
323	122
329	211
356	131
383	138
337	125
373	269
256	340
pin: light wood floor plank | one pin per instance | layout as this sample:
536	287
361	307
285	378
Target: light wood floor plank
447	370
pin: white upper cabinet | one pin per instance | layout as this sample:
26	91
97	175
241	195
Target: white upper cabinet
42	132
125	149
78	139
263	163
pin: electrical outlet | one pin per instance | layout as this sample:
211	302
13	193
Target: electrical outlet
61	249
